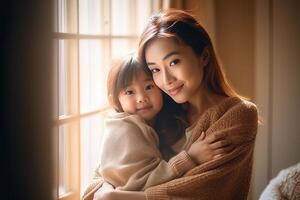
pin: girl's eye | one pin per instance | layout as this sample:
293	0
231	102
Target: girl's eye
128	92
174	62
154	70
149	87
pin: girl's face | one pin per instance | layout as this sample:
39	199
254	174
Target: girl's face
176	69
142	97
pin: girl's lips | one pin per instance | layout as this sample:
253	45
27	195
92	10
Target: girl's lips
175	90
142	109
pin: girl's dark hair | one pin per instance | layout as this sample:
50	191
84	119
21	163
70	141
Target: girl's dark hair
169	123
184	28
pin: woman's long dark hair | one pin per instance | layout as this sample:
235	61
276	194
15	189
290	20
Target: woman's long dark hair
170	124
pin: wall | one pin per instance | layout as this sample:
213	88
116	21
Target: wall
235	42
278	88
204	12
285	85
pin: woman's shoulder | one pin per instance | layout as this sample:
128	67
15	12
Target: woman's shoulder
241	110
244	105
235	103
235	108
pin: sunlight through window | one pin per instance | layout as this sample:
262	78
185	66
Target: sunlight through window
88	35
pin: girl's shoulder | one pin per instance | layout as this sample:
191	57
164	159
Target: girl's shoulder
123	116
122	119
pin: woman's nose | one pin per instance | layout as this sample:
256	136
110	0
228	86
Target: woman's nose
168	78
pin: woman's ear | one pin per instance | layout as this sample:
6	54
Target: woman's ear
205	56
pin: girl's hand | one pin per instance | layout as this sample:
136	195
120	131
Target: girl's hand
209	148
104	193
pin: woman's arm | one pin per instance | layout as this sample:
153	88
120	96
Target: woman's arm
228	176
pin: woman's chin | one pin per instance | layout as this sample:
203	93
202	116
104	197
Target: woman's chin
179	99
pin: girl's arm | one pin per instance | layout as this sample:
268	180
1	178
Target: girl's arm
131	159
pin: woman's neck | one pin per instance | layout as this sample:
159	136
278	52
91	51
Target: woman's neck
200	102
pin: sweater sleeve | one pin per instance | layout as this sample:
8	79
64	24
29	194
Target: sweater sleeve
131	159
227	177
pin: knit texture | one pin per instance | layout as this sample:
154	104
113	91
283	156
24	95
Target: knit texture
227	177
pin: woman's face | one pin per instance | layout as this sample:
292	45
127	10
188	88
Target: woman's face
176	69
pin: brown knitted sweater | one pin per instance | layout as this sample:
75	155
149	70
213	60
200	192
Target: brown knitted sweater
227	177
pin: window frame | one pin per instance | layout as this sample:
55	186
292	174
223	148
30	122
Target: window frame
74	119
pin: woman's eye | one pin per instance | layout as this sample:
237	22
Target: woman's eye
128	92
174	62
149	87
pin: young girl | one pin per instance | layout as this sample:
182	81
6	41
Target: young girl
131	158
181	57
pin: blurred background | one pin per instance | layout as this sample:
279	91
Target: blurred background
56	55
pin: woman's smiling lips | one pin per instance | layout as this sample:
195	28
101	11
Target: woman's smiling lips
173	91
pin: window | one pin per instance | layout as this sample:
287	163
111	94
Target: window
88	34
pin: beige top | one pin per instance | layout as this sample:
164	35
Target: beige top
130	158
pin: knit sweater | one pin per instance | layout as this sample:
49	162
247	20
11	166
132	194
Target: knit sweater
226	177
130	158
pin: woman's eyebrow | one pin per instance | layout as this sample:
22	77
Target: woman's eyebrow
170	54
165	57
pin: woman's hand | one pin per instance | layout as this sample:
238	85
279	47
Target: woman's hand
105	192
209	148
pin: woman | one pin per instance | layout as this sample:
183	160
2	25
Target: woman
180	55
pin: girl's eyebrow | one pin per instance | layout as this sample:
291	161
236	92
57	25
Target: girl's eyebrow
147	79
165	57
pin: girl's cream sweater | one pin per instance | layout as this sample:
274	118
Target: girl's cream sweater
130	158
